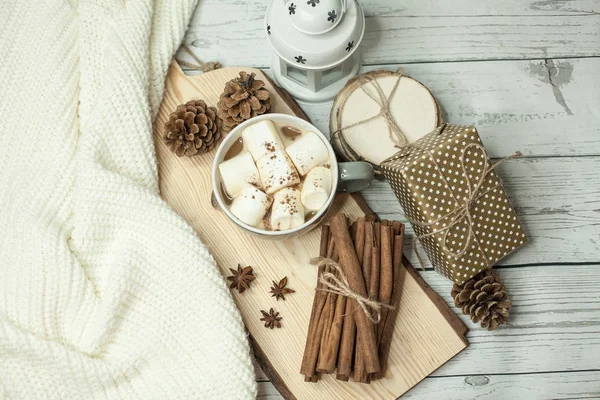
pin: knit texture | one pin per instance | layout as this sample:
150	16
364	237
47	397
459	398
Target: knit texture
105	292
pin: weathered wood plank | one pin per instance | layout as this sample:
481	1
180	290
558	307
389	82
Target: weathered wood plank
554	323
532	105
562	385
554	326
557	200
233	32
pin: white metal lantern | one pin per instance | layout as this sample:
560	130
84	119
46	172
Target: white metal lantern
315	45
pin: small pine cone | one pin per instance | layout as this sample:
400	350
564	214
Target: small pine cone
193	128
242	99
484	299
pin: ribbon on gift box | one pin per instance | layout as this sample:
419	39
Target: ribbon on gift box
463	209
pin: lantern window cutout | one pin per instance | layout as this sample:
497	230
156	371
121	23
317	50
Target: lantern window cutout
315	47
333	75
296	74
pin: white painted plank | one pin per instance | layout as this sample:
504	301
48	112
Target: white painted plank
415	31
514	104
554	326
563	385
554	323
557	200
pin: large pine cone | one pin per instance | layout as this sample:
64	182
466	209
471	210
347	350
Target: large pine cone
242	99
193	128
484	299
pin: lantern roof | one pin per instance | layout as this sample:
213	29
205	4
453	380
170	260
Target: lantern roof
314	34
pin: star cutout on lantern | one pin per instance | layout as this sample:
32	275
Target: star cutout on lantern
292	9
313	2
332	16
300	60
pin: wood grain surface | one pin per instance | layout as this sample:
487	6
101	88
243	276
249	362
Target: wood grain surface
427	333
418	31
526	73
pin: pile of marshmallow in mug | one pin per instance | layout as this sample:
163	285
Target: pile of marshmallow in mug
291	182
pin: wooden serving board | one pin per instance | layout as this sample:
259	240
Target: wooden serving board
427	332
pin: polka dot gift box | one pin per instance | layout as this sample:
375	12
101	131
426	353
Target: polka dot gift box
451	194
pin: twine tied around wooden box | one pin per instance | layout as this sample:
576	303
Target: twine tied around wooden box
341	286
199	66
463	209
395	133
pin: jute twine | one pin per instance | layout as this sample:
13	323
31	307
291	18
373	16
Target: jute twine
464	205
341	286
199	66
394	131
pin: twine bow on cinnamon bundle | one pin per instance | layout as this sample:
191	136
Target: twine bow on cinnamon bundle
337	282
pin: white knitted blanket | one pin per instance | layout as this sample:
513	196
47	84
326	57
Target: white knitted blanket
104	291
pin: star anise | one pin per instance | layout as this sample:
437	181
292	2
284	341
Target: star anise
241	278
279	290
271	318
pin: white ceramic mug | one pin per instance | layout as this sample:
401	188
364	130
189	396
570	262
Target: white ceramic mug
346	177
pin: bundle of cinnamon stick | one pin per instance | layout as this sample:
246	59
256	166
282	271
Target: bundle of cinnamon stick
341	337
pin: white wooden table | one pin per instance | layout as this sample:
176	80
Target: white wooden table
527	74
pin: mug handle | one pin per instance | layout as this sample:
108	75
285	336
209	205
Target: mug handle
354	176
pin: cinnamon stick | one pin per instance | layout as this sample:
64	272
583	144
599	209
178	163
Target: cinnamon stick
367	249
360	373
330	348
373	294
386	275
315	330
397	225
359	239
375	268
351	268
327	315
371	218
336	305
348	339
325	322
390	321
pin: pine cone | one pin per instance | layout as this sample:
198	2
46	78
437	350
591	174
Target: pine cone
192	128
242	99
484	299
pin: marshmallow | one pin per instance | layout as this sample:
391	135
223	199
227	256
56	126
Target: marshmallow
277	171
308	152
287	211
316	188
238	172
262	139
250	205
